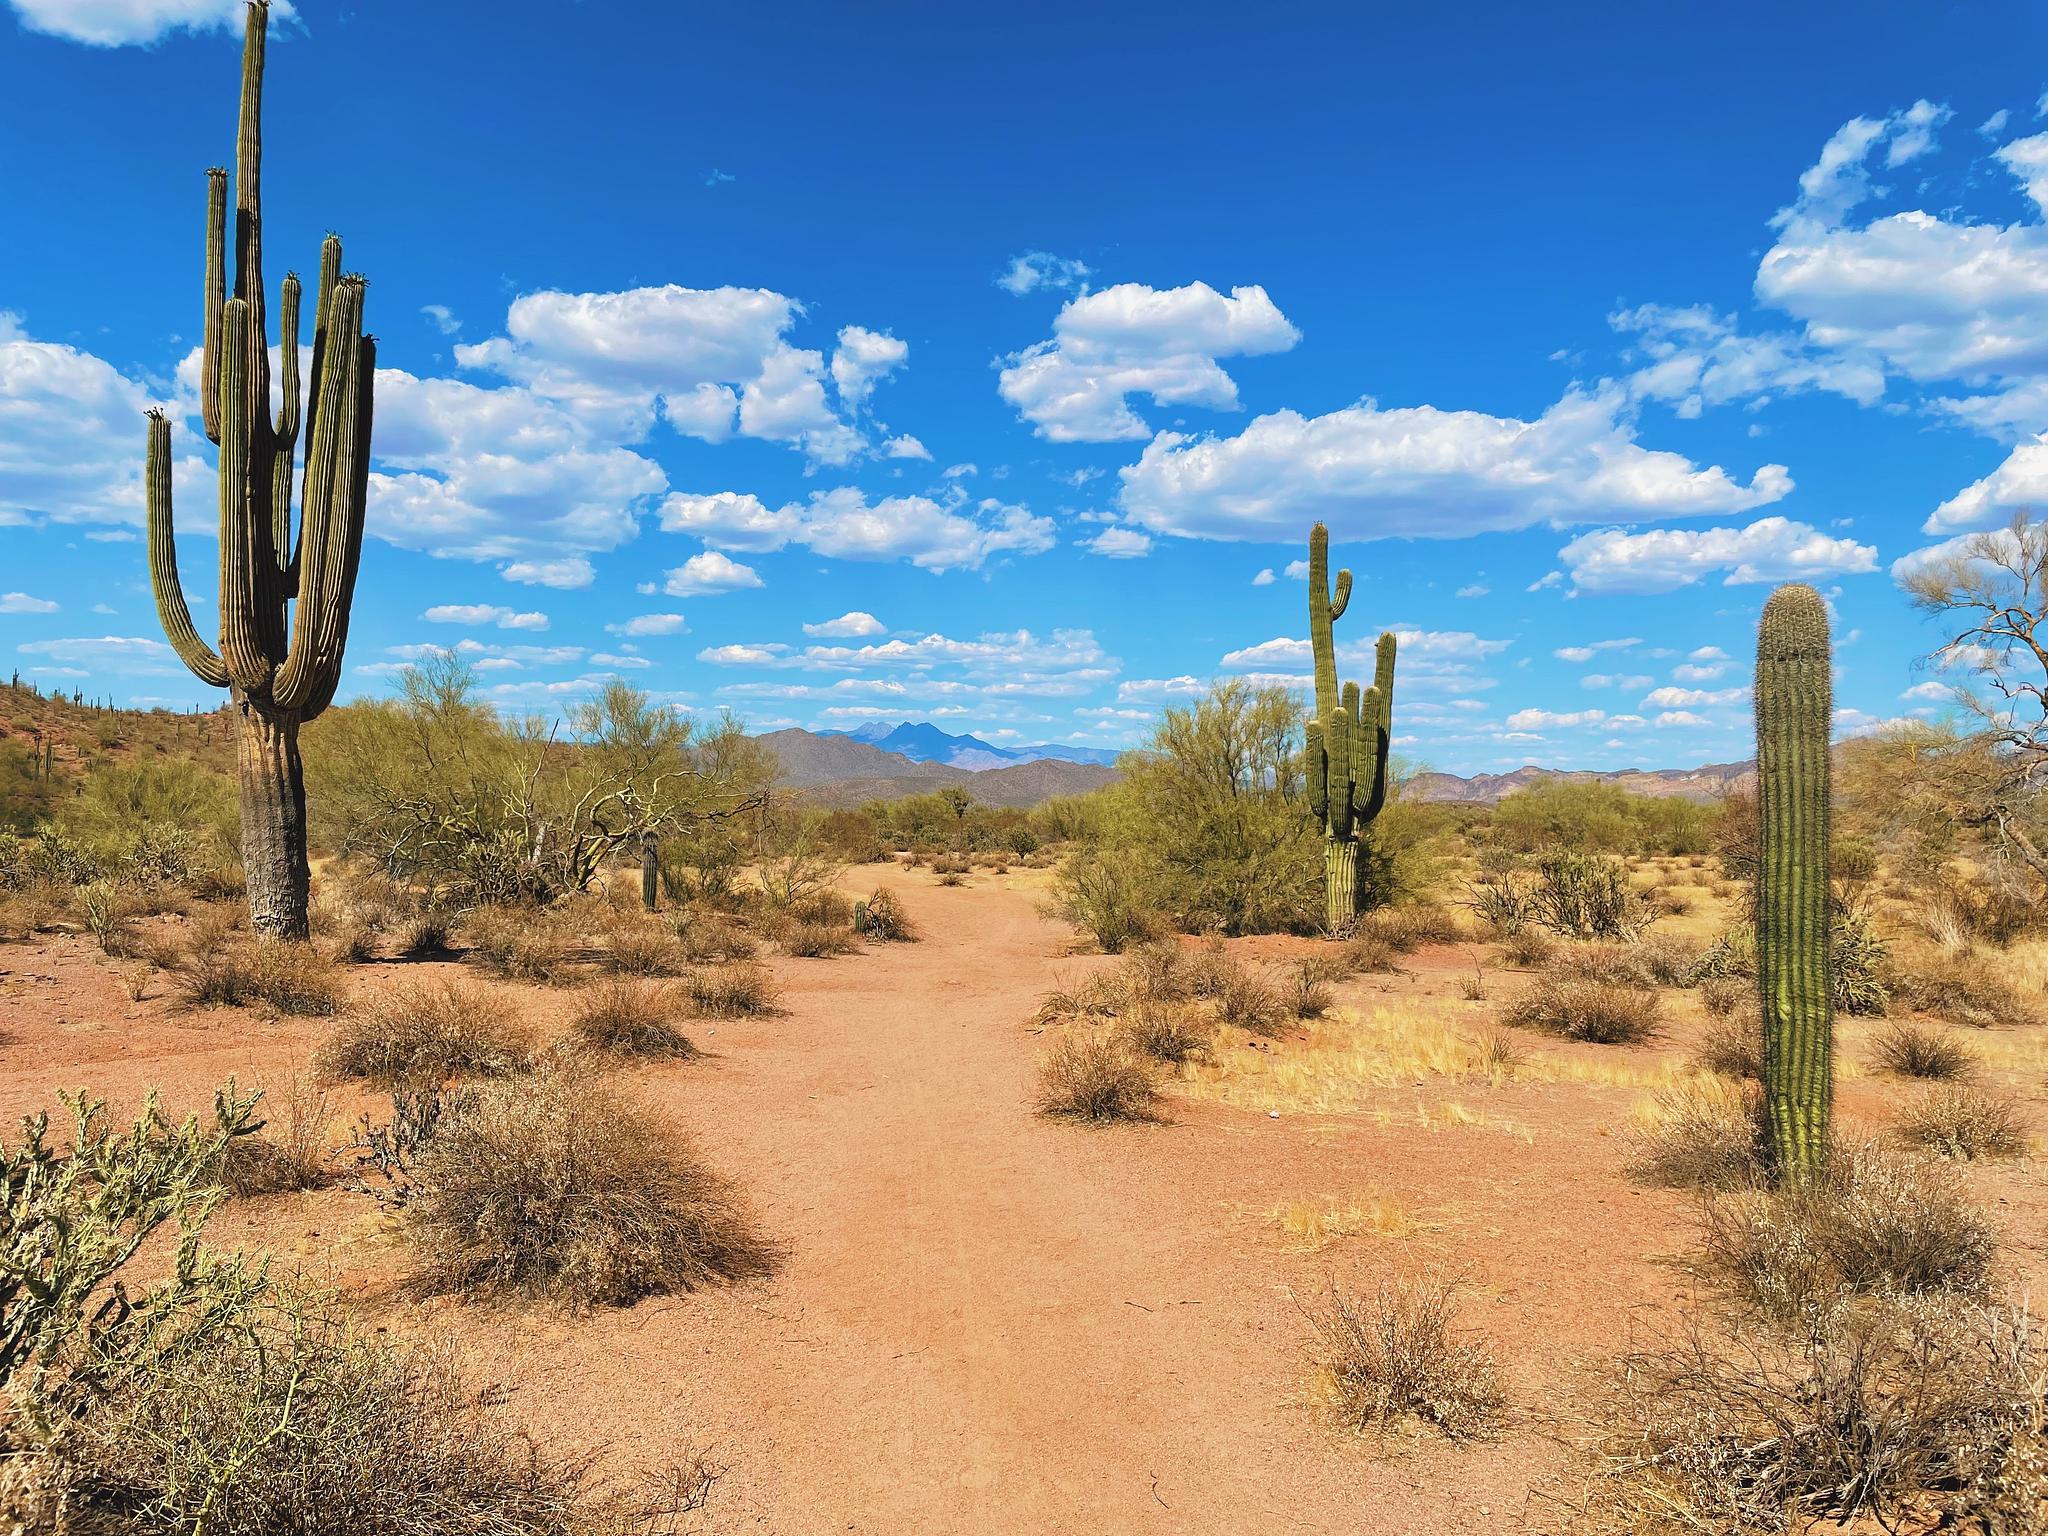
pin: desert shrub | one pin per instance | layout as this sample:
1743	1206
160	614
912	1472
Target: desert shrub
426	934
1893	1415
817	941
1212	969
1957	1120
1732	957
1874	1222
280	1155
1588	896
1967	989
1100	892
736	990
1671	961
354	941
707	937
1858	960
292	1420
109	917
1917	1050
565	1186
633	1018
1700	1134
1158	972
1165	1031
420	1033
636	947
1602	818
521	943
1504	904
1251	1003
1397	1356
1723	995
287	978
1734	1046
1530	950
1370	954
1099	995
1095	1076
1624	965
1309	993
1405	929
1598	1012
886	919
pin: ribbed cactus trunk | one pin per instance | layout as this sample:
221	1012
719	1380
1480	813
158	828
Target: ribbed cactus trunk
1794	705
284	606
1347	739
650	870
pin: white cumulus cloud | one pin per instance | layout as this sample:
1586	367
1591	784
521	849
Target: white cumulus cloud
1665	559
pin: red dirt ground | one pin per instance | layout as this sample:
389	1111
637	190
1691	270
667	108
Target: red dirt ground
989	1321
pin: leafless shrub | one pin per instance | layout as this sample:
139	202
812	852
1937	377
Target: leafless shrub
1920	1050
1251	1003
1168	1032
425	1032
737	990
287	978
638	947
886	919
1723	995
633	1018
707	937
1700	1135
1598	1012
817	941
1397	1356
1957	1120
1095	1076
1734	1047
289	1152
1968	989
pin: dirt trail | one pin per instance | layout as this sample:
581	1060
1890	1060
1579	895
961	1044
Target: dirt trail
987	1322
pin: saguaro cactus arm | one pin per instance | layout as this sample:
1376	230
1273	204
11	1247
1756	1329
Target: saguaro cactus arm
1324	609
171	610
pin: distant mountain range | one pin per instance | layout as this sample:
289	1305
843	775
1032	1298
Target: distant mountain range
1705	783
923	742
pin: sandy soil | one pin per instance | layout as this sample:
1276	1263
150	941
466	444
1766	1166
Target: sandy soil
988	1321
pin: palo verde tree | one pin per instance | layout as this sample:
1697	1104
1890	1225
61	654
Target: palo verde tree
284	600
1347	739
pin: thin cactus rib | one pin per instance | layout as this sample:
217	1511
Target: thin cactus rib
1794	707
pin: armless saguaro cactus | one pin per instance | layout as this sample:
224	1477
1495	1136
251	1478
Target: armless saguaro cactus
284	604
1347	738
1794	703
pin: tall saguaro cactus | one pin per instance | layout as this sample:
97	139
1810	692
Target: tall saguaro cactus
1347	738
284	602
1794	703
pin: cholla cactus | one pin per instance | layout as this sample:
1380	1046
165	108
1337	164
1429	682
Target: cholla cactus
284	603
1347	738
1794	705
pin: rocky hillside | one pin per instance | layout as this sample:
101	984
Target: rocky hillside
831	769
1705	783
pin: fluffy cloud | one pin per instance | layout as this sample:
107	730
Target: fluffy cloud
1120	543
1544	719
710	572
1694	358
1692	698
1067	663
22	602
1420	472
1134	340
1042	269
110	23
651	624
1662	560
1431	661
711	362
842	524
2021	482
1587	651
127	655
847	626
566	574
484	613
71	434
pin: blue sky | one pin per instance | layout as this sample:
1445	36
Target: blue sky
988	365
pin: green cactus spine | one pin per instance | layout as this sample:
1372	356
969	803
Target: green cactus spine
284	606
1794	703
1347	738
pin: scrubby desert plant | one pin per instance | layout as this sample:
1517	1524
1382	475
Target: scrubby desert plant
421	1033
287	1152
1870	1221
1251	1003
640	947
1406	928
1734	1047
708	937
1588	896
1095	1076
1968	988
1398	1356
633	1018
1167	1032
289	978
1100	893
1700	1134
565	1186
740	989
1309	993
1924	1051
1958	1120
522	943
1598	1012
883	918
1723	995
817	940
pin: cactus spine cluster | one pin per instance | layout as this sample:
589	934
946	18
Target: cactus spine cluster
1794	703
1347	738
284	602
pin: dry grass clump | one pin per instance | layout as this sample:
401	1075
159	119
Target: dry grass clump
1626	965
737	990
1406	929
817	941
1734	1047
1251	1003
1368	954
1095	1076
1397	1356
279	1158
1597	1012
564	1186
1099	995
1314	1224
707	937
1875	1222
643	948
886	919
1723	995
1309	991
1165	1031
522	944
288	978
300	1423
1528	949
1158	971
1966	988
424	1033
1957	1120
633	1018
1920	1050
427	934
1889	1415
1700	1134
